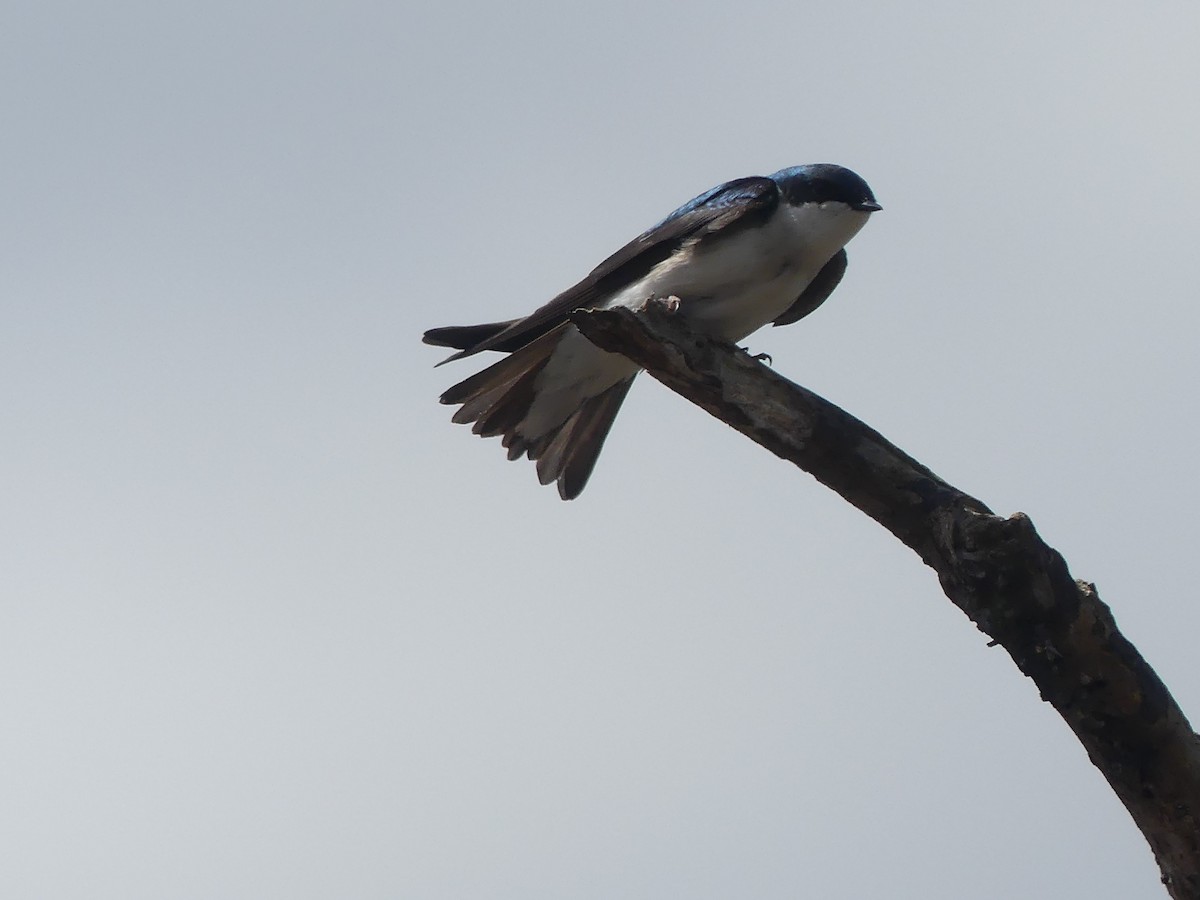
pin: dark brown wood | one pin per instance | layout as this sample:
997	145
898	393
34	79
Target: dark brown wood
997	570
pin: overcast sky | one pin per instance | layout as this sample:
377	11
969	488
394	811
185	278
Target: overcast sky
272	626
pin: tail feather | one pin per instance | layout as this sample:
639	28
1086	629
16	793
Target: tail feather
500	376
498	401
476	406
506	413
571	454
519	445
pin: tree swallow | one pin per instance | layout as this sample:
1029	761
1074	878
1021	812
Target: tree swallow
748	252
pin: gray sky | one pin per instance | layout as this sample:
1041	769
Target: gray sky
272	626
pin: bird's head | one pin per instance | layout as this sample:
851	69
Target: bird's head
824	183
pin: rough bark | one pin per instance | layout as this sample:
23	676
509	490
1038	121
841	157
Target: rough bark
997	570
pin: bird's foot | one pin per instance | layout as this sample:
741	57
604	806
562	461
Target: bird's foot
759	357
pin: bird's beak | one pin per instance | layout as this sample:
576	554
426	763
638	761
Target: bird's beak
869	206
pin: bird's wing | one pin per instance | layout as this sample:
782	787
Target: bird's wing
817	292
737	204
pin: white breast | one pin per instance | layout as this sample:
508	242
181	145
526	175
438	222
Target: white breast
748	279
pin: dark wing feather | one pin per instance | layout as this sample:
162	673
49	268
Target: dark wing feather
735	204
817	292
460	337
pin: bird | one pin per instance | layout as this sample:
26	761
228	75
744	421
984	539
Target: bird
748	252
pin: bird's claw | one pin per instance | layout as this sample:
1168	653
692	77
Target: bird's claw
759	357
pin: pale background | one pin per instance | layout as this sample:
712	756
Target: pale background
272	626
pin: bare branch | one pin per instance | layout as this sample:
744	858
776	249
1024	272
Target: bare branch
998	571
